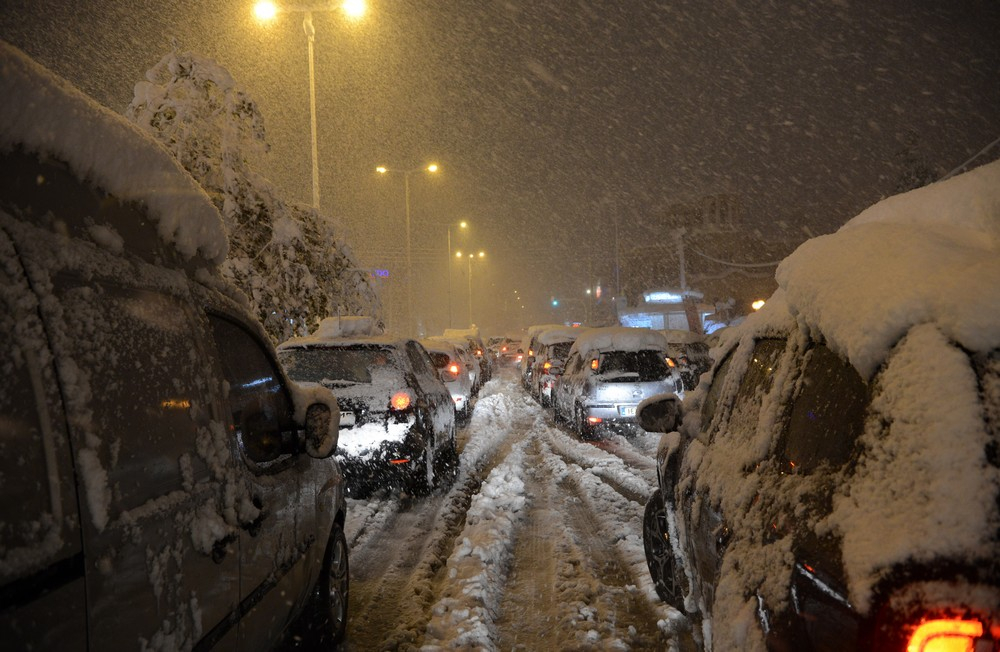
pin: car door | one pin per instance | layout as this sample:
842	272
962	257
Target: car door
277	529
710	530
42	592
825	420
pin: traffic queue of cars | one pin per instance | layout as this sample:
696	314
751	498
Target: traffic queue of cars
165	485
834	482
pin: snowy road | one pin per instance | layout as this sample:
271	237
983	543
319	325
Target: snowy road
538	545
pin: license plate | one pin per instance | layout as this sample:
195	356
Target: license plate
626	410
346	419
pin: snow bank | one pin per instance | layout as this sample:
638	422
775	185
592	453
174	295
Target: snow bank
47	116
619	338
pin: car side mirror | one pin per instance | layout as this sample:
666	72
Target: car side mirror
660	413
322	430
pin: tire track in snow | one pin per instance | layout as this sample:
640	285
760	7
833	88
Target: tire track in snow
618	520
634	485
397	567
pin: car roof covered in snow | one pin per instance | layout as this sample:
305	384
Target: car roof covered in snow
926	256
47	116
560	334
619	338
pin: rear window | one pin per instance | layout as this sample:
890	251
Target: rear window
352	364
643	366
560	351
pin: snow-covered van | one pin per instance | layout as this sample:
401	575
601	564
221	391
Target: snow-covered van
835	482
164	486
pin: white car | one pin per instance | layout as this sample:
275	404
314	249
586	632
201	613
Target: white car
454	370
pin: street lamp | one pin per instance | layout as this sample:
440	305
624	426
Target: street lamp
461	225
471	256
431	169
266	10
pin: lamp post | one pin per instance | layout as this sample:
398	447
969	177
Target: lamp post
461	225
266	10
432	168
480	255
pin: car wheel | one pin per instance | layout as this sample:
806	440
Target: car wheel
668	580
324	621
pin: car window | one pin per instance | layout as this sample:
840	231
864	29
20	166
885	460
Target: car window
146	388
559	351
712	397
828	414
438	359
418	359
760	373
351	364
260	404
644	366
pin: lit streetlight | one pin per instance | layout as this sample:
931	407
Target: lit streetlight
431	169
265	11
470	257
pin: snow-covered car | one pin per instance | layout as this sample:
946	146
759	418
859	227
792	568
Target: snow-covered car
821	492
453	371
689	353
530	348
155	454
475	342
609	371
550	359
397	418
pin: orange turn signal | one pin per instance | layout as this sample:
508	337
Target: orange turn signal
945	635
400	401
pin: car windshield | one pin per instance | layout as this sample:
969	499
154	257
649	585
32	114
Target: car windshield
644	366
348	364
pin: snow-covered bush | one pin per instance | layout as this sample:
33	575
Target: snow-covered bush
288	259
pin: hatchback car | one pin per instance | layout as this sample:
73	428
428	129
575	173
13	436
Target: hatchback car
397	418
609	371
164	485
835	485
454	371
550	360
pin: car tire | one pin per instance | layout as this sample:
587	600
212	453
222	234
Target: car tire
323	623
668	580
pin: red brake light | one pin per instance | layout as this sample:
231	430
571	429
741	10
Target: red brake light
400	401
503	349
594	420
945	635
594	364
453	368
671	363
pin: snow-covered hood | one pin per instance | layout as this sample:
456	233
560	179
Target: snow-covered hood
46	115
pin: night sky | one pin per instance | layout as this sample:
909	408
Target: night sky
556	120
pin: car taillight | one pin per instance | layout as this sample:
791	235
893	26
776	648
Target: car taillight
594	420
546	366
520	357
945	635
479	353
671	363
453	369
594	364
400	401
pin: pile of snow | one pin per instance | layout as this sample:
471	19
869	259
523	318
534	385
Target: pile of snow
47	116
619	338
332	327
930	255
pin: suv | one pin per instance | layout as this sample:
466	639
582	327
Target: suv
397	418
823	493
609	371
454	372
157	460
550	358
